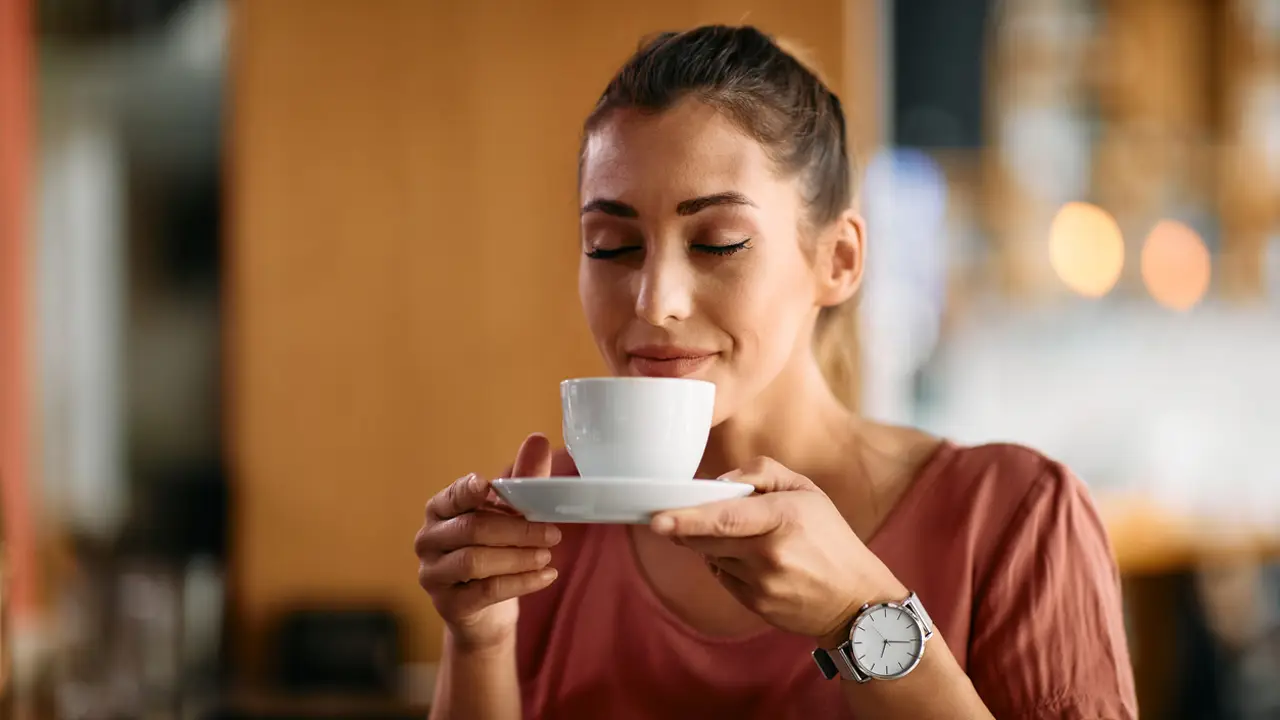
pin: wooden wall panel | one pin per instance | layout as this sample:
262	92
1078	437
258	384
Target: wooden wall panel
402	265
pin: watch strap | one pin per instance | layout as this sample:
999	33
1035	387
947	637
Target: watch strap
915	607
839	662
826	665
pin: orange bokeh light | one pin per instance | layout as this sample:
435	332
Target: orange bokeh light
1086	248
1176	266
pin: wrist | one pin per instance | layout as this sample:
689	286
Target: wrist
839	635
480	648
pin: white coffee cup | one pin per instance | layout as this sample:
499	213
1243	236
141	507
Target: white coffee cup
637	427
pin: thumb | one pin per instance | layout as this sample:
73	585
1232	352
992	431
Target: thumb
533	458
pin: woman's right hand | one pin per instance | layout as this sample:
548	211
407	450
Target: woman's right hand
474	561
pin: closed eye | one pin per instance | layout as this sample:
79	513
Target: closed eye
721	250
610	253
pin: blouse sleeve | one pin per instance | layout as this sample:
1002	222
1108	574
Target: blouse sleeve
1048	636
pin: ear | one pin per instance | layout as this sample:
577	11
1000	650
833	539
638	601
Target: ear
841	259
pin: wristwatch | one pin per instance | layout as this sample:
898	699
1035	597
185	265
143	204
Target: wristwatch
886	641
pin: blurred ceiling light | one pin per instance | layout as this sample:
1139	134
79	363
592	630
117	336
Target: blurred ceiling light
1175	265
1086	248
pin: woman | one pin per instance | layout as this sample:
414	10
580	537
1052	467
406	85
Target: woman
719	243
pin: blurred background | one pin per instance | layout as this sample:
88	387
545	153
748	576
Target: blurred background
274	272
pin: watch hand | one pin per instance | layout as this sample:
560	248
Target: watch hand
884	647
899	642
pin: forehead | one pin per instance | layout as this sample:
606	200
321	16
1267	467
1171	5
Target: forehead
688	150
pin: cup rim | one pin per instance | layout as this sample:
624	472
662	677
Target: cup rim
630	379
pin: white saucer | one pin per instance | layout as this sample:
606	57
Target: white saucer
610	500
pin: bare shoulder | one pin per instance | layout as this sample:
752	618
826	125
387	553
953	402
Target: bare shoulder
890	459
899	450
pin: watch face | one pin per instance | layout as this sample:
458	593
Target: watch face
887	641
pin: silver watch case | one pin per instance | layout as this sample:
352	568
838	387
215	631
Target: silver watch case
844	663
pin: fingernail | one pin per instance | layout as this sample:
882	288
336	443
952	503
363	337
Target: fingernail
542	557
548	574
663	524
474	482
552	534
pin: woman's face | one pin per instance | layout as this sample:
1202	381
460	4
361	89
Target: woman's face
693	264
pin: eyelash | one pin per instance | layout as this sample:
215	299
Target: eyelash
721	250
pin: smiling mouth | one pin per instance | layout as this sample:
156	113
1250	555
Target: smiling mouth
669	362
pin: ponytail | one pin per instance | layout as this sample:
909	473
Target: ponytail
839	353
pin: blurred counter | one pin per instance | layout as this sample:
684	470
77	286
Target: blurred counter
1148	539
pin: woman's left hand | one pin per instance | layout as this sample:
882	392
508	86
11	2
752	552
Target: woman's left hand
785	553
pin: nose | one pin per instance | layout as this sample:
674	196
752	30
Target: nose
665	294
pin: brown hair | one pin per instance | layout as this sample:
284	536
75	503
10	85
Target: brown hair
773	97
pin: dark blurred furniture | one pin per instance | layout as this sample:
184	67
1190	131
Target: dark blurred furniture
329	663
268	706
326	651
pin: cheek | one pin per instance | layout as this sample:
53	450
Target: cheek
764	309
604	301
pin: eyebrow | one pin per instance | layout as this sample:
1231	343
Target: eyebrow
689	207
610	207
620	209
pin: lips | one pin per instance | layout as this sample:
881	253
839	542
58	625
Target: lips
668	360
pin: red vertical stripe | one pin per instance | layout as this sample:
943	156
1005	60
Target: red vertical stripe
16	311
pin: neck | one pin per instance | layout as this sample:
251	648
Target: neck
796	421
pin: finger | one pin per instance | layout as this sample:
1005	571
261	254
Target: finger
489	529
422	543
496	504
464	495
480	594
534	457
477	563
767	476
720	565
719	547
738	588
740	518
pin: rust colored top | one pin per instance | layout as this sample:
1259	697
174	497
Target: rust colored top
1003	547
